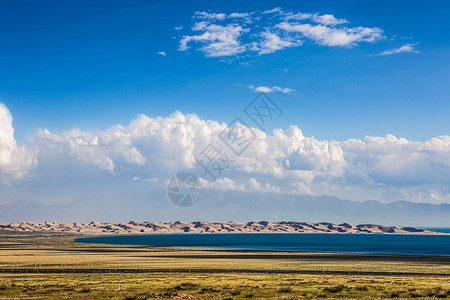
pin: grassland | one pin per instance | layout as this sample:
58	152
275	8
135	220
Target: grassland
52	266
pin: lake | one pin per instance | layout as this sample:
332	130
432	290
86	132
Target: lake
308	242
438	229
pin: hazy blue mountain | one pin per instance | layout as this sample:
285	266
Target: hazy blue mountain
216	206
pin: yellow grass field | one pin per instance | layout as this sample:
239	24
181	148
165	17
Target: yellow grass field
51	266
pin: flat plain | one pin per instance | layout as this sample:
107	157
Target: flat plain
52	266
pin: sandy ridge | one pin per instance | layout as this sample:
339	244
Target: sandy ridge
134	227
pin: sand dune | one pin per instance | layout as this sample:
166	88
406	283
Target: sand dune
134	227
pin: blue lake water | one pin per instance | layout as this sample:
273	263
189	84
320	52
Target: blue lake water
438	229
309	242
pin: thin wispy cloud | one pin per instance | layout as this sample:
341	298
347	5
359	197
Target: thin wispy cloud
259	33
325	19
151	179
268	89
332	36
208	16
273	10
217	40
407	48
162	53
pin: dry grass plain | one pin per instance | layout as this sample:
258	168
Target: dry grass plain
52	266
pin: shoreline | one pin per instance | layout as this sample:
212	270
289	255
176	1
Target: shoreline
203	227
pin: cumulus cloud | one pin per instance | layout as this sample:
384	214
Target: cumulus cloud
223	184
15	160
407	48
390	160
101	149
175	142
282	161
255	186
270	31
167	143
305	165
268	89
228	184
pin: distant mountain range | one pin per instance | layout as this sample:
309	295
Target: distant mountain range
220	206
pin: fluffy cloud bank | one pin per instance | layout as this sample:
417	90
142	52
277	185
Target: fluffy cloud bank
15	160
220	34
175	142
284	161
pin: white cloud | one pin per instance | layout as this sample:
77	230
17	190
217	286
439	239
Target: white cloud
331	36
407	48
387	160
179	27
271	42
274	10
15	160
222	184
101	149
166	143
326	19
152	179
255	186
228	184
270	31
209	16
162	53
217	40
268	89
239	15
285	161
221	16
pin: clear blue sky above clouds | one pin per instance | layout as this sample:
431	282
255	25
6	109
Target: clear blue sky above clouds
92	64
93	87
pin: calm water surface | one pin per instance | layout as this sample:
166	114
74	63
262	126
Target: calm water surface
438	229
310	242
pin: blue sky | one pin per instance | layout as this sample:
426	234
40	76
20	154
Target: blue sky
91	65
87	83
